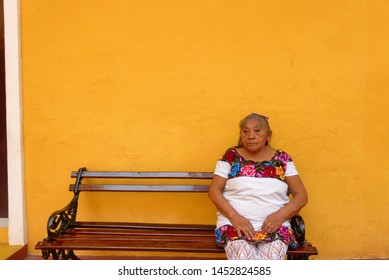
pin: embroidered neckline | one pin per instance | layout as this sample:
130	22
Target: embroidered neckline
273	168
261	162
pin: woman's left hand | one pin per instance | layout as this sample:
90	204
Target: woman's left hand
272	223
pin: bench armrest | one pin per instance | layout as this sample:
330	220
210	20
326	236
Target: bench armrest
298	227
59	221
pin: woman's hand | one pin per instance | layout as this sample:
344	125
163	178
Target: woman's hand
272	223
243	226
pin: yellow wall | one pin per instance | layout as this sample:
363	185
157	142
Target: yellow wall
161	85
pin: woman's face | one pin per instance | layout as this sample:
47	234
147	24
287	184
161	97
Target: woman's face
254	135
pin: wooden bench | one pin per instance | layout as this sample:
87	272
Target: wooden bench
66	234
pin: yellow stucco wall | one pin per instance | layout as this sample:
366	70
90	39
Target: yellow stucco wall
161	85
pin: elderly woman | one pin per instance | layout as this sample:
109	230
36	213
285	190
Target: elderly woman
250	189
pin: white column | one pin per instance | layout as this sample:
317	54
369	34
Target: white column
17	229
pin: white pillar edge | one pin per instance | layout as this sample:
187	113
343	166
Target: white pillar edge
17	225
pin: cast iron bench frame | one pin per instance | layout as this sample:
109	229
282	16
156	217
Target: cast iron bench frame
65	234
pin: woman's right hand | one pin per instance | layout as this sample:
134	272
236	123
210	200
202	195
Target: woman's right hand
243	226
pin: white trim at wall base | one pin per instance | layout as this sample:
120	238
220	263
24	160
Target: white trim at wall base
3	222
17	226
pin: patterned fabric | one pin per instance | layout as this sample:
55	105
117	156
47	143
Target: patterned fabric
228	233
242	250
275	168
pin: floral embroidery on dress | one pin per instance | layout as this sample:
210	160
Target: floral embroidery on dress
274	168
228	233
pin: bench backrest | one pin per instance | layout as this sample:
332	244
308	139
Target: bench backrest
137	185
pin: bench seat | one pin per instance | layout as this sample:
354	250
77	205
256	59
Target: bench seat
66	234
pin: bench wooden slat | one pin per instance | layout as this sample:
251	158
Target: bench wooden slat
135	237
145	226
144	175
131	245
308	250
118	232
139	188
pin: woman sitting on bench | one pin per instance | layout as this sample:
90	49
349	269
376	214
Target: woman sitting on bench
250	189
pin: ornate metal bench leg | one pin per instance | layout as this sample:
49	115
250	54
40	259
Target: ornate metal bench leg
62	255
67	255
298	257
72	256
305	257
59	255
47	252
